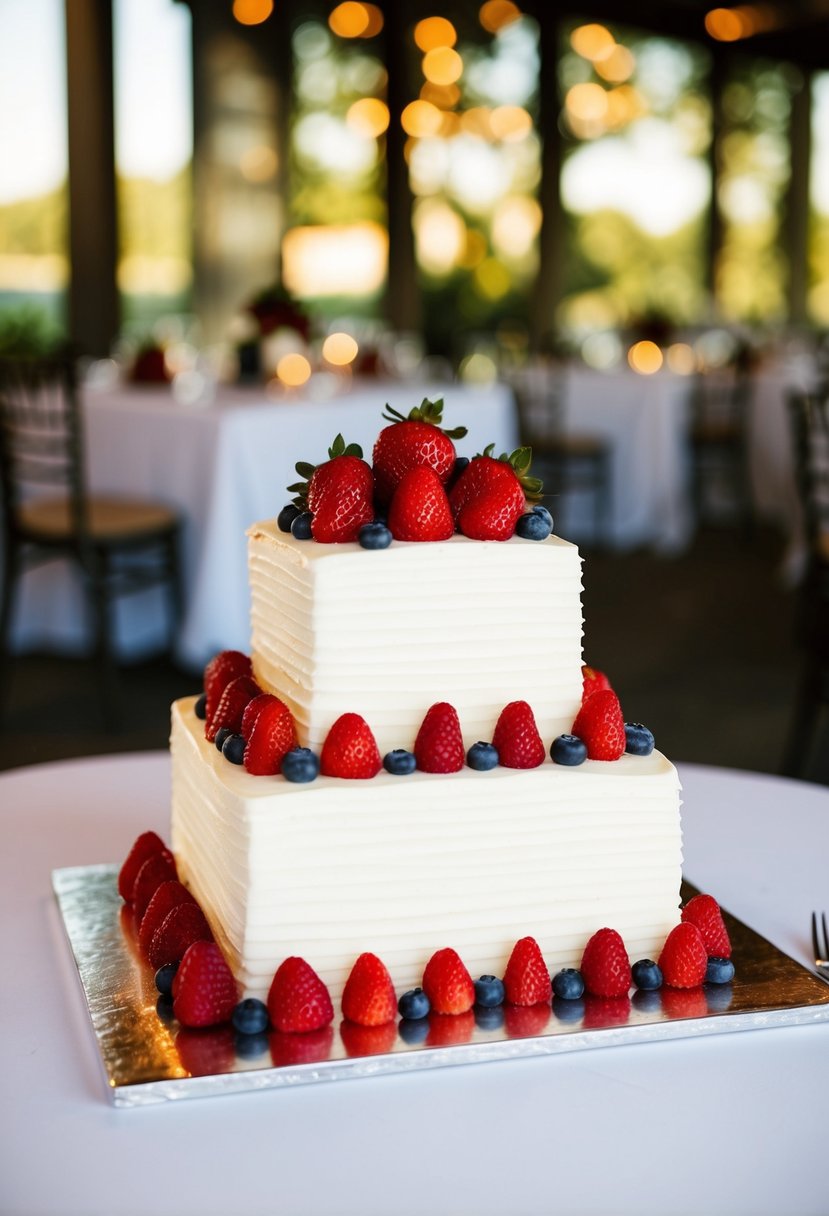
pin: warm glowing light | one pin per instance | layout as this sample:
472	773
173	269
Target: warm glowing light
475	250
587	102
592	42
623	105
450	124
335	259
492	279
421	118
141	274
293	370
645	358
349	20
723	24
442	65
619	65
496	14
478	368
511	123
515	225
440	234
258	164
731	24
434	32
369	117
681	359
375	21
340	349
444	96
477	121
252	12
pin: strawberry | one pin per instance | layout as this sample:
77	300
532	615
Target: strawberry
447	983
593	680
368	996
605	966
416	441
684	1002
601	1012
526	979
218	673
439	744
526	1021
516	738
231	708
684	959
204	990
272	736
492	516
508	476
158	868
144	847
183	925
312	1047
165	898
600	725
367	1040
206	1053
350	750
450	1029
298	1000
704	912
420	509
339	493
252	710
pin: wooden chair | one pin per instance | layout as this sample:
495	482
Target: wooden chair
119	545
720	475
810	419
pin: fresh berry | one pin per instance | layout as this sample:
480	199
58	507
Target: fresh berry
599	723
302	526
164	1004
233	749
420	509
224	732
704	912
447	983
165	897
492	516
646	975
399	762
516	738
568	749
450	1030
568	984
350	750
368	996
310	1048
145	846
164	978
506	476
684	959
544	513
204	990
218	673
532	526
298	1000
183	925
413	1004
526	979
439	744
489	992
416	441
568	1011
251	1046
684	1002
526	1021
206	1053
592	680
271	738
300	765
638	739
482	757
605	966
339	494
231	707
368	1040
719	970
250	1016
489	1018
413	1031
286	517
374	536
603	1012
158	868
200	707
252	711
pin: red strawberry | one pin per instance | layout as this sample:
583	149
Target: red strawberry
420	509
704	912
272	735
516	738
684	1002
204	990
526	979
165	897
684	959
600	725
526	1021
450	1029
593	680
312	1047
367	1040
298	1000
605	966
506	476
439	744
339	493
417	441
206	1053
231	708
218	673
492	516
183	925
144	847
447	983
252	711
601	1012
350	750
368	996
158	868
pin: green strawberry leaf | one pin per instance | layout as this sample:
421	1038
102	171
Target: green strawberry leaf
427	411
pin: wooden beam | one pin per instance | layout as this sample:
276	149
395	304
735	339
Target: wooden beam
549	283
795	228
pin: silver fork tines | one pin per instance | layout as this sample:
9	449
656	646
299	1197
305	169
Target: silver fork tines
820	945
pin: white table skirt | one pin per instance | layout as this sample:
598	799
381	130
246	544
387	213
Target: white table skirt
726	1124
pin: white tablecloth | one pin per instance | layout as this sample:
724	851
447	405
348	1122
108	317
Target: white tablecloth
725	1124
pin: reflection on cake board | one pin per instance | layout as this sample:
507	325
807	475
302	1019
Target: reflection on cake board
146	1059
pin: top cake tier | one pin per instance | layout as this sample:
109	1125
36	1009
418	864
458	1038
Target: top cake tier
340	629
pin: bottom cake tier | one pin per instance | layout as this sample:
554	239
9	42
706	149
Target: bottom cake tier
404	866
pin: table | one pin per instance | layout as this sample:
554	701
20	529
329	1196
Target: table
728	1124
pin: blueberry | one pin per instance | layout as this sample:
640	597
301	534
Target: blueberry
374	536
568	1011
533	526
646	1002
638	739
233	749
719	970
300	765
489	991
222	733
251	1046
482	756
250	1016
200	708
646	975
164	978
399	762
489	1018
286	517
568	984
301	526
414	1005
164	1007
544	513
413	1030
568	749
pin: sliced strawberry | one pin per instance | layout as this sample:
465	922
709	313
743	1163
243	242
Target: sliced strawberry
312	1047
350	750
684	959
158	868
183	925
605	966
367	1040
592	680
526	1021
165	897
272	735
704	912
450	1029
516	738
298	1000
368	996
144	847
420	509
206	1053
600	726
204	990
231	708
412	442
526	979
439	744
218	673
447	983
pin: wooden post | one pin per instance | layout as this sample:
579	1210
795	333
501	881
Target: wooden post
402	303
549	283
714	235
795	228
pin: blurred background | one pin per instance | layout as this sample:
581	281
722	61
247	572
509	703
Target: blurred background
599	228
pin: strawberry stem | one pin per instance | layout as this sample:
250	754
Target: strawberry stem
427	411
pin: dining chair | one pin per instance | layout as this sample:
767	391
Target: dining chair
810	422
119	545
720	476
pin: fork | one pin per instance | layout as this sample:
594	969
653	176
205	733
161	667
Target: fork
821	946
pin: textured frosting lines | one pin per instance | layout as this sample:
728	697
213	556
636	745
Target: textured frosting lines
337	629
